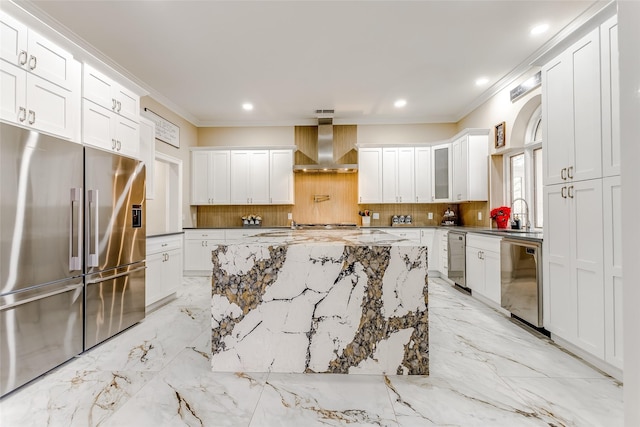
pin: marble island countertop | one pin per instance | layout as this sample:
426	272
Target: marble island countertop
342	237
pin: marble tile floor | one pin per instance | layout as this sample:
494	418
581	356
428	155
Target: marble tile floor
485	371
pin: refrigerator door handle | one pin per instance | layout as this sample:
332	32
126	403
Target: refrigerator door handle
125	273
92	195
41	296
75	257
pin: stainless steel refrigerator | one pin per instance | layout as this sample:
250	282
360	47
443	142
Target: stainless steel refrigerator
72	251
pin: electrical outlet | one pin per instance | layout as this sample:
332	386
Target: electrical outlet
289	215
376	215
430	215
479	215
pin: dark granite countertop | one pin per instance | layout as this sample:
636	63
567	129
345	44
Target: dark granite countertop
151	236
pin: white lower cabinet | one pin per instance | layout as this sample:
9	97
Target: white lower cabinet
441	245
164	267
198	245
427	237
483	266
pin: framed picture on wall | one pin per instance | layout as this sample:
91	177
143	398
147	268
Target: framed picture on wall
501	133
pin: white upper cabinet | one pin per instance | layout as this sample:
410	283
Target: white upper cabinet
241	177
107	93
398	178
422	156
30	51
610	97
571	113
110	113
370	175
281	177
40	81
210	177
470	165
441	180
250	177
103	129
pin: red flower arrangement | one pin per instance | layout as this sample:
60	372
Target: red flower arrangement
501	216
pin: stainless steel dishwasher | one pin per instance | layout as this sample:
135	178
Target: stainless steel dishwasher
521	284
457	248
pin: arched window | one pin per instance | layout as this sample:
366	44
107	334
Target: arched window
523	169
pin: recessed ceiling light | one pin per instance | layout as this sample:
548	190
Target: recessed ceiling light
539	29
400	103
247	106
482	81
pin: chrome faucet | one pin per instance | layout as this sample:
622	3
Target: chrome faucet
526	205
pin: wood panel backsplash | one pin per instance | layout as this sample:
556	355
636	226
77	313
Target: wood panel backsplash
342	205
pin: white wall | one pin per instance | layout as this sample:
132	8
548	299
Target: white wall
629	42
258	136
500	109
188	139
405	134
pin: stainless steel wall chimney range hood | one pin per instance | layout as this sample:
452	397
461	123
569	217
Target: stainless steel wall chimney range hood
326	162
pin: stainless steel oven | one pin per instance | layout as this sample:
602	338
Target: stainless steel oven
457	247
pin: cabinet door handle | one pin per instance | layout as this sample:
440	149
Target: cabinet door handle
164	244
563	174
32	117
570	172
119	145
113	144
119	106
570	192
113	104
22	57
22	114
33	62
563	192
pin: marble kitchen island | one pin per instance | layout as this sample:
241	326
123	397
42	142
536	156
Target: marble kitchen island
329	301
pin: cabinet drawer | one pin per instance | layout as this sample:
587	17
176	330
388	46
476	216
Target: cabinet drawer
205	234
485	243
407	234
240	234
163	243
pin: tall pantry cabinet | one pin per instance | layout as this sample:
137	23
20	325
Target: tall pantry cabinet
582	286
